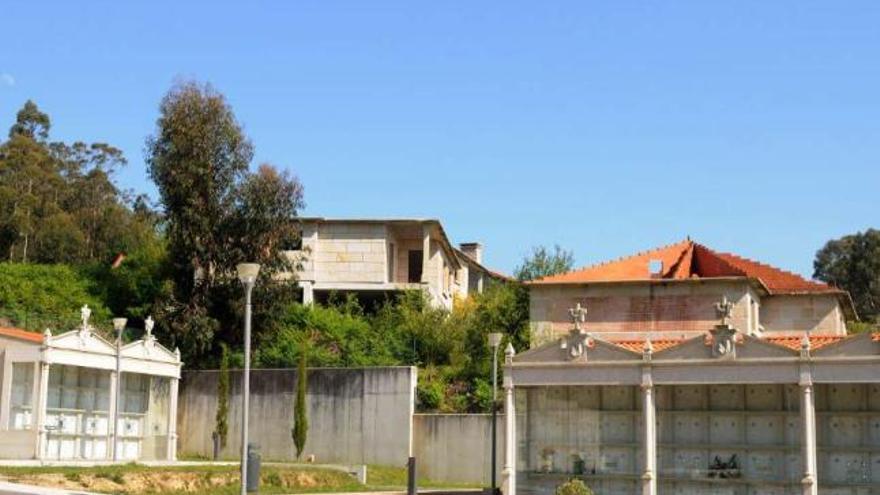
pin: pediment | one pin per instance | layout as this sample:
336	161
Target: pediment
693	348
82	340
598	350
863	344
753	347
150	350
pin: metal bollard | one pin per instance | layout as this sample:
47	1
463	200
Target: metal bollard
253	468
411	476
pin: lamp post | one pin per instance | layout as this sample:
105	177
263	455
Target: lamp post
247	273
494	343
119	326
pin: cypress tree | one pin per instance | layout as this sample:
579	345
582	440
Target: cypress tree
221	427
301	422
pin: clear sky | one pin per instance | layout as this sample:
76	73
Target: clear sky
607	127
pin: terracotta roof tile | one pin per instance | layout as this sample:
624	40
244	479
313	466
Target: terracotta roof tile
794	343
638	345
18	333
686	260
816	341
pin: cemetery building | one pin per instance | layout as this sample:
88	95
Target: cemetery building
683	370
374	258
58	396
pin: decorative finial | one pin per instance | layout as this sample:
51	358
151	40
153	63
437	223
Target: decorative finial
805	345
85	313
177	353
47	334
148	326
649	346
724	308
578	315
509	351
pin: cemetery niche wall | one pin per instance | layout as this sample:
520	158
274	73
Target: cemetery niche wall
58	396
722	413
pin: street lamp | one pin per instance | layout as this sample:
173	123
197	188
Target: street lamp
494	343
119	326
247	273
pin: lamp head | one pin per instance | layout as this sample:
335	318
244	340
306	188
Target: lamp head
247	272
494	339
119	324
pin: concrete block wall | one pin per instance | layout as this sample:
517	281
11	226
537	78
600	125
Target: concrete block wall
356	416
351	253
794	314
628	311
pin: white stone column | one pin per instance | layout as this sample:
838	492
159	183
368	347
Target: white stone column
809	482
111	417
308	293
508	473
172	420
808	438
649	430
426	252
40	412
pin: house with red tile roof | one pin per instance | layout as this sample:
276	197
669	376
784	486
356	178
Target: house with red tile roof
669	292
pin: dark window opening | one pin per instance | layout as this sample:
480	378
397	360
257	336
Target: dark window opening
415	266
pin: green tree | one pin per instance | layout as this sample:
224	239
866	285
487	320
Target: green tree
542	262
300	428
197	156
217	214
58	202
30	122
852	263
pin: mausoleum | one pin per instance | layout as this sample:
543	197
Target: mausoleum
686	371
58	396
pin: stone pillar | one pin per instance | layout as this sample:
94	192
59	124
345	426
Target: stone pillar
508	473
649	427
426	252
111	417
808	438
40	412
308	293
172	420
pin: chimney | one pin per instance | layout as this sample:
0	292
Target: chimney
473	250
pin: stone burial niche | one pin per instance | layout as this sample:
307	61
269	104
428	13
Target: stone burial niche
58	396
722	413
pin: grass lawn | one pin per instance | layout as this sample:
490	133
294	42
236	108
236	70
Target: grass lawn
136	479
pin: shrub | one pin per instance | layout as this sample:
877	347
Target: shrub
39	296
573	486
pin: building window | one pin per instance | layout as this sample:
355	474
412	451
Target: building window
21	404
414	271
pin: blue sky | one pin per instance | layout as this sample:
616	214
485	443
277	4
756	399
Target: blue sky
606	127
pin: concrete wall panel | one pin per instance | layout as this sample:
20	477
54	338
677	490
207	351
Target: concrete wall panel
360	415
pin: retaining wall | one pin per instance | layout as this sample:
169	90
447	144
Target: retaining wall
356	415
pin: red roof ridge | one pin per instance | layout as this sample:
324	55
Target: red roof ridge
615	260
